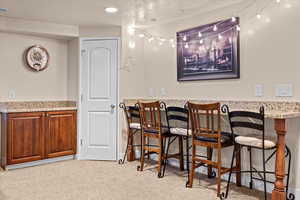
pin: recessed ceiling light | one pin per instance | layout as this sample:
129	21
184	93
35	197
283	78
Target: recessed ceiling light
111	10
3	9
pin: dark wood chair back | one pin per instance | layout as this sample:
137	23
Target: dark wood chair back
151	116
205	120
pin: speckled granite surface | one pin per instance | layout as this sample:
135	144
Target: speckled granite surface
273	109
35	106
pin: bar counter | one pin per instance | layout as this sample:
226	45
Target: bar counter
279	111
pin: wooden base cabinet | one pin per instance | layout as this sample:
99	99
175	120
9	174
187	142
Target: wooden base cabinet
33	136
60	134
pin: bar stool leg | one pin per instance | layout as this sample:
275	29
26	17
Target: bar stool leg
121	162
264	168
165	158
251	174
224	196
209	152
160	156
180	140
187	155
238	166
219	173
141	167
192	172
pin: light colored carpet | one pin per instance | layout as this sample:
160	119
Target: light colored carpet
98	180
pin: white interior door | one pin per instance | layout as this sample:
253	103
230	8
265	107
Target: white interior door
99	99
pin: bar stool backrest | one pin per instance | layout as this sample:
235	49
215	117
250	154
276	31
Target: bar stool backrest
177	117
205	120
132	113
246	120
151	116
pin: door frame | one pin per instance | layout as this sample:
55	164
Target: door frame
79	155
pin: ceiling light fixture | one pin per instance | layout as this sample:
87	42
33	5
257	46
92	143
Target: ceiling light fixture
111	10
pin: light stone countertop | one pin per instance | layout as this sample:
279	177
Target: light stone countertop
273	109
36	106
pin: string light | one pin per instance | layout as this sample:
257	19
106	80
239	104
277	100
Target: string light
131	45
215	28
220	36
258	16
150	39
186	45
172	42
131	30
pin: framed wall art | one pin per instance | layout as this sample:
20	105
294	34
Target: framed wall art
209	52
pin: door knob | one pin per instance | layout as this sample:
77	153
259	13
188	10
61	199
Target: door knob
112	106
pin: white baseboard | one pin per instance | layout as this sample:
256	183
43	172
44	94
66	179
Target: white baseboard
39	162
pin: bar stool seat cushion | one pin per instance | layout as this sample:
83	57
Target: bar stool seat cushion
255	141
135	125
165	130
225	138
181	131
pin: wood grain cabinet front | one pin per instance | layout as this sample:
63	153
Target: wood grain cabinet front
32	136
25	137
60	133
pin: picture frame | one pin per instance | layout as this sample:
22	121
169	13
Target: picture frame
209	52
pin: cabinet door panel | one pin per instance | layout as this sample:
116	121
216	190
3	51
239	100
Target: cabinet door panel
25	137
60	133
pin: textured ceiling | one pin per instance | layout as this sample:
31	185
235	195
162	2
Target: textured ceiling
91	12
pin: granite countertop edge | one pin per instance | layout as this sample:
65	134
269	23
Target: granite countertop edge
18	110
274	109
36	106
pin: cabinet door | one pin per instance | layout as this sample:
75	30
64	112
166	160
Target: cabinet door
25	138
60	133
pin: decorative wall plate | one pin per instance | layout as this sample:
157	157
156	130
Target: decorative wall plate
37	58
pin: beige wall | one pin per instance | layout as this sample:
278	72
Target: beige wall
50	84
73	69
104	31
268	57
45	29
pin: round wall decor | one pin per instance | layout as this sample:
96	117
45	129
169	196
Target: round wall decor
37	57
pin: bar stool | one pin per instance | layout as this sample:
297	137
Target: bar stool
132	116
152	127
206	132
178	123
255	122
